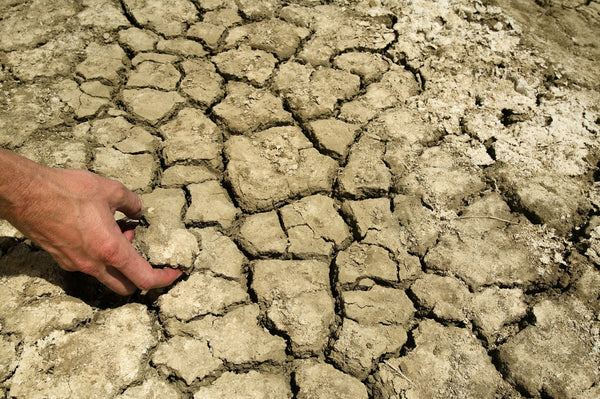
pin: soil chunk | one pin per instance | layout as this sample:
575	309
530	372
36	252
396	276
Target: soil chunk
192	137
211	204
296	295
150	388
140	169
314	227
426	371
563	334
260	36
237	337
151	74
365	174
199	295
246	386
8	362
151	105
336	31
188	358
368	66
102	62
379	305
254	65
166	242
395	87
333	136
168	246
60	313
275	165
322	380
361	261
262	234
445	297
114	345
246	109
359	346
182	175
184	47
506	260
494	308
166	17
219	254
35	23
314	93
138	39
201	82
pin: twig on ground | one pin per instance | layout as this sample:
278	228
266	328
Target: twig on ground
399	373
487	217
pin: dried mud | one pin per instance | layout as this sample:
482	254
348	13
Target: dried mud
369	199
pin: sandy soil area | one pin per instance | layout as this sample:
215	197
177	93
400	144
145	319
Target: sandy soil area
369	199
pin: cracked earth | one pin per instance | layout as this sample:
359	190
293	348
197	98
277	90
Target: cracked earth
369	199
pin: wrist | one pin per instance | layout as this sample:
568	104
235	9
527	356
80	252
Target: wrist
21	181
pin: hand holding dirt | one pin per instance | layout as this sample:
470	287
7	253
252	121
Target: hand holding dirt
70	214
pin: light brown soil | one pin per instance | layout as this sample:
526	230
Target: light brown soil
369	199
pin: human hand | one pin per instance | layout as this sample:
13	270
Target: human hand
70	214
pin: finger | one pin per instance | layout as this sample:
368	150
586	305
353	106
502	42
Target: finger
116	281
126	201
127	228
140	272
129	234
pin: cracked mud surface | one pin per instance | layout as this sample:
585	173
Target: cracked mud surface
369	199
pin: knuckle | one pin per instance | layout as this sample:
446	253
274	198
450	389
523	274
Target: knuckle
108	250
116	189
88	267
145	284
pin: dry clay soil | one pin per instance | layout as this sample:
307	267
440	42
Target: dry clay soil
369	199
